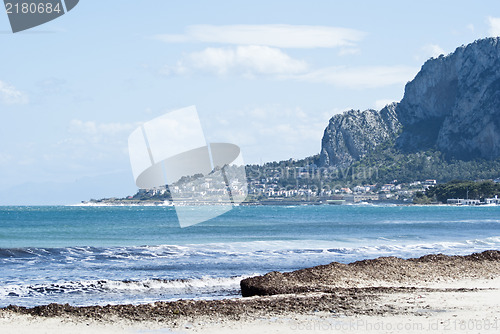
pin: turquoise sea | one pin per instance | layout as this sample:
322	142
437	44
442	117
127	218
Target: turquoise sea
114	255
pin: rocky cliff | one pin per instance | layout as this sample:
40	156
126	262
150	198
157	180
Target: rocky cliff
352	134
452	105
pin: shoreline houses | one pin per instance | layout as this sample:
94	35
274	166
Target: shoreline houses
460	201
494	200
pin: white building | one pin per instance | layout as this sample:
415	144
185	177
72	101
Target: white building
461	201
494	200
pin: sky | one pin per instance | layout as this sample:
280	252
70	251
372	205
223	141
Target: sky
265	75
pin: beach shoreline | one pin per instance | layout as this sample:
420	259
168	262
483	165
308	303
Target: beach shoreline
434	293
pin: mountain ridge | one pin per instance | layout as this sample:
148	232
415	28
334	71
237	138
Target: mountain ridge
452	106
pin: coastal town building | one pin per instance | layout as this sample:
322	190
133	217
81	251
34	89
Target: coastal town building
494	200
461	201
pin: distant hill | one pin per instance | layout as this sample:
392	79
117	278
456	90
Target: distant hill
447	125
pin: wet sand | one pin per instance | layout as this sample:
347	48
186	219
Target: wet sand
434	293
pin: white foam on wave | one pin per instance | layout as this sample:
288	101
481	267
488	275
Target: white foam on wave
458	221
202	285
252	250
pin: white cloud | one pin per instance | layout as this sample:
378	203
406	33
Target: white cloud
105	129
349	51
470	27
97	140
379	104
494	26
247	60
433	50
360	77
276	35
270	132
10	95
250	61
429	51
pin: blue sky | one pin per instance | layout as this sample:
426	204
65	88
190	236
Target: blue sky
266	75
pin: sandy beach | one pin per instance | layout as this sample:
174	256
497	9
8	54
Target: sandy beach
434	293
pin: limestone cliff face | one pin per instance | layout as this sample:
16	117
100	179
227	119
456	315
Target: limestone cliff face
452	105
354	133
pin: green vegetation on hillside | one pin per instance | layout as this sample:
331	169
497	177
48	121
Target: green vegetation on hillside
463	189
391	164
381	166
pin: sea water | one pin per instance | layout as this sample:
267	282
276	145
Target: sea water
136	254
